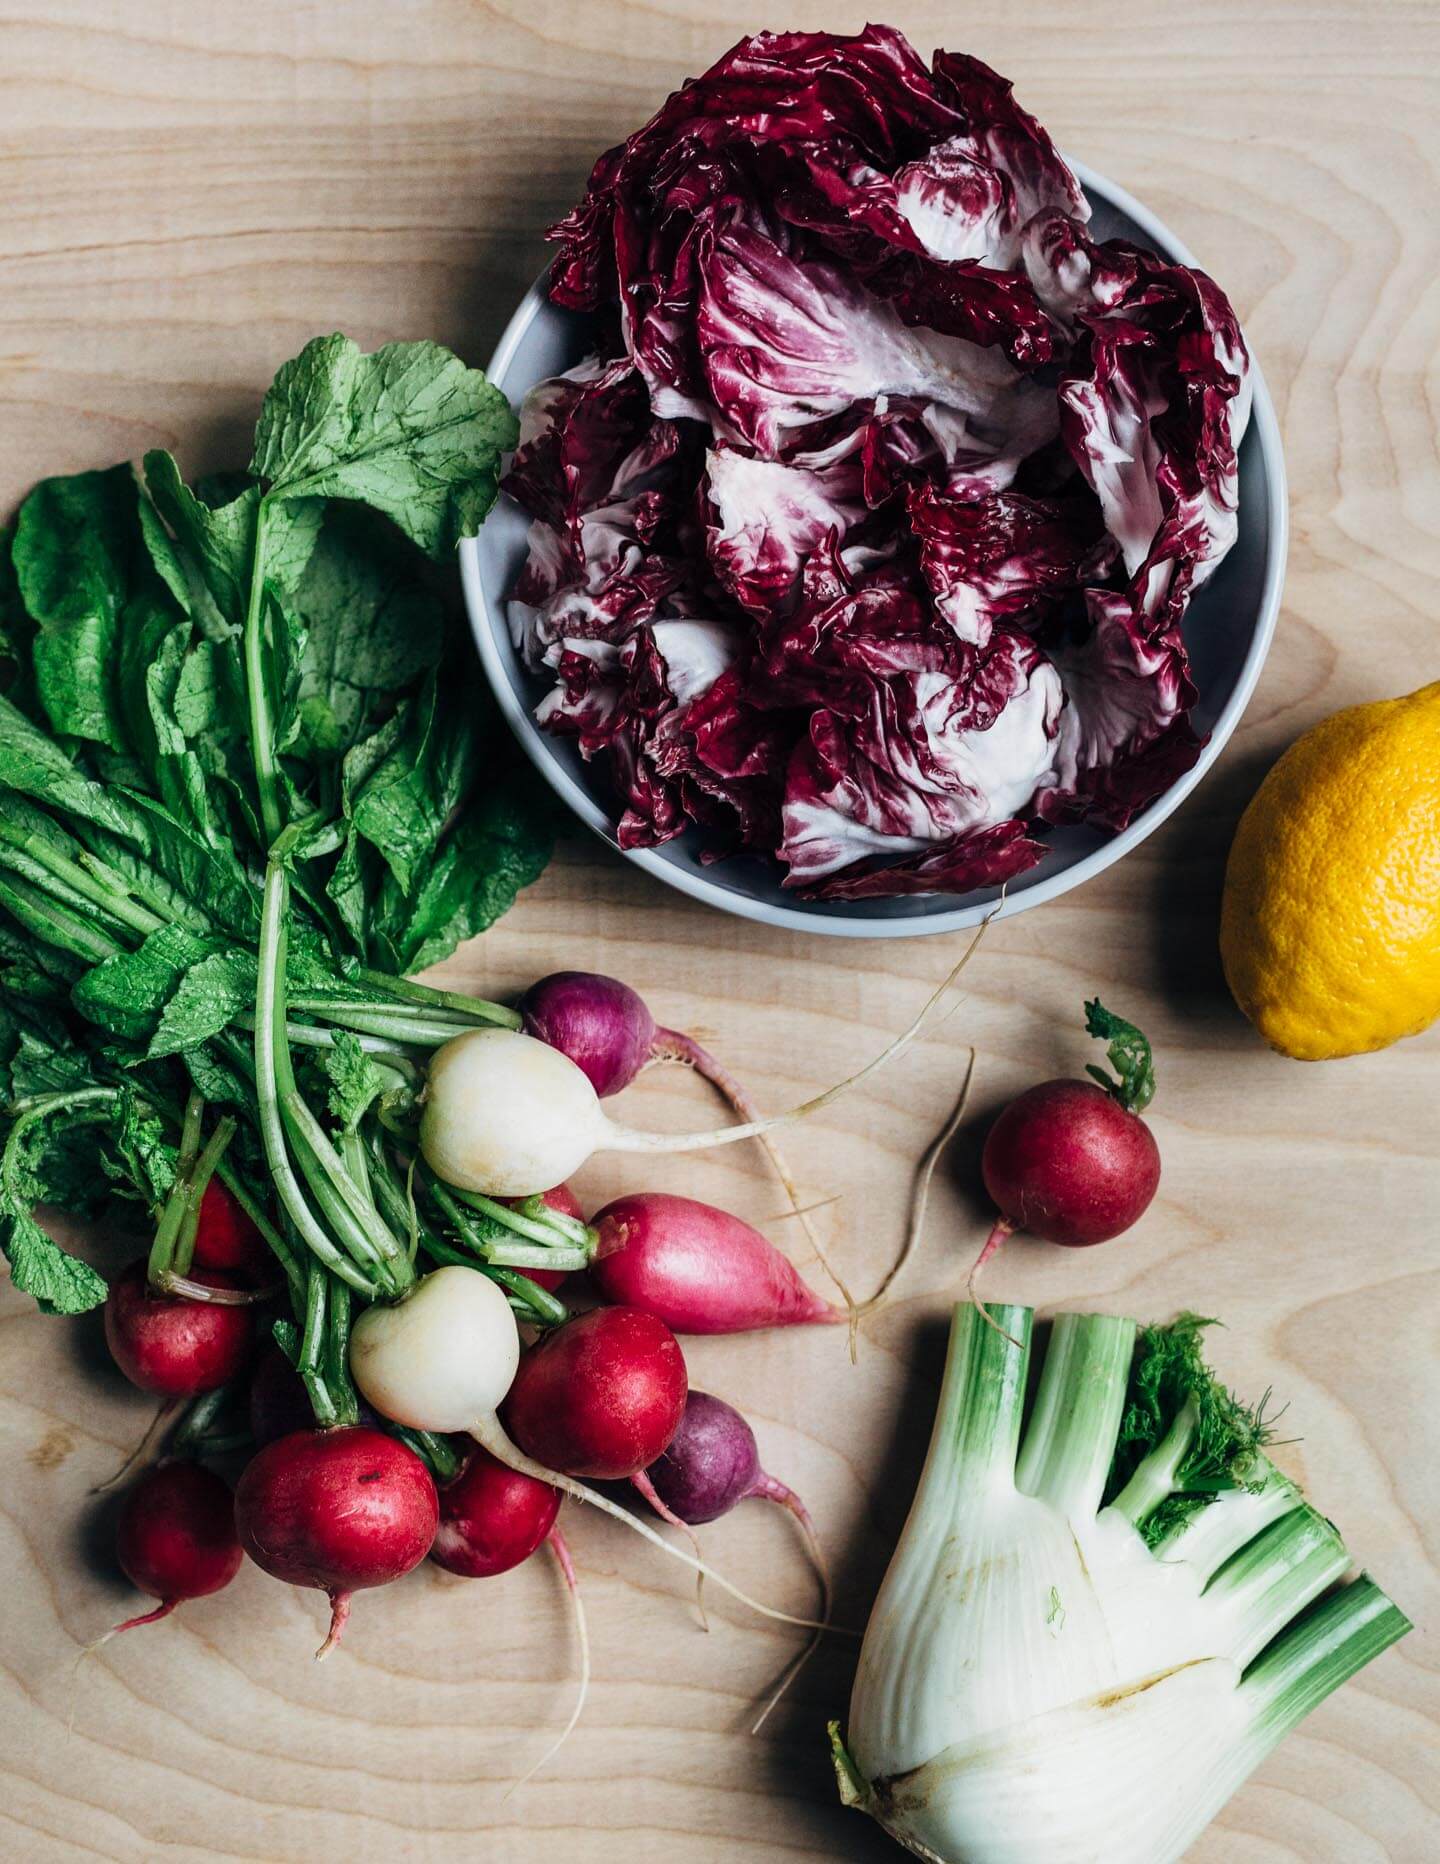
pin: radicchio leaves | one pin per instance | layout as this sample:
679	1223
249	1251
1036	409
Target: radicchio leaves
865	541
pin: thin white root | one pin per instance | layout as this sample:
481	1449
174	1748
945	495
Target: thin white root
786	1498
628	1139
491	1435
674	1046
920	1196
556	1541
646	1489
143	1454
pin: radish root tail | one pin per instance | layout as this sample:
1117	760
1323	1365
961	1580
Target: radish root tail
920	1196
163	1610
491	1435
671	1045
1003	1229
143	1453
630	1139
644	1487
768	1489
556	1542
339	1618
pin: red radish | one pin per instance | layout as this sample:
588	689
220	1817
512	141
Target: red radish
698	1269
599	1396
176	1537
339	1510
711	1465
226	1239
1071	1161
443	1360
559	1197
600	1023
492	1518
166	1344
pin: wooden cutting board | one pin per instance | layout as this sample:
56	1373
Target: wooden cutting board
189	191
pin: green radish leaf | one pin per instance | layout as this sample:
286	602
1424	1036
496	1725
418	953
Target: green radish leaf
371	629
286	1336
207	999
137	1153
218	1077
214	539
408	430
17	631
498	846
353	1081
35	766
1133	1083
73	552
56	1281
126	995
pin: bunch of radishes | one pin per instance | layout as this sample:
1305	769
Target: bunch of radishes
474	1424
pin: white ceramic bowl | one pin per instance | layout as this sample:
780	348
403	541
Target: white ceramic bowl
1228	631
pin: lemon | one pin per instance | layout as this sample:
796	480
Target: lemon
1330	927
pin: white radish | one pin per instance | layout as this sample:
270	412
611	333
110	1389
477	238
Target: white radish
442	1360
509	1116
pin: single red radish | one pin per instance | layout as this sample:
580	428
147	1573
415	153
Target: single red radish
608	1032
226	1239
699	1269
559	1197
600	1023
340	1510
492	1518
711	1465
166	1344
176	1537
1071	1161
600	1396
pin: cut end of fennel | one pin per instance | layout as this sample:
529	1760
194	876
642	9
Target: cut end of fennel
1106	1607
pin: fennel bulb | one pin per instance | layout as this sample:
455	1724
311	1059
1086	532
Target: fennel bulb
1091	1633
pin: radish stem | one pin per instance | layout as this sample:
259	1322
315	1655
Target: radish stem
645	1488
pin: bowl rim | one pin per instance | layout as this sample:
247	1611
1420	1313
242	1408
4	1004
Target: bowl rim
801	917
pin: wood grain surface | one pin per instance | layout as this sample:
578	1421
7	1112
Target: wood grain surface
189	190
